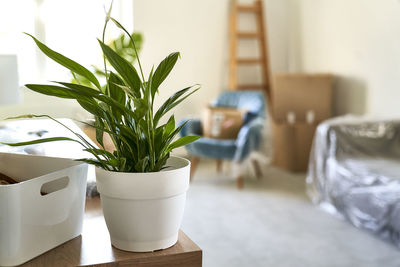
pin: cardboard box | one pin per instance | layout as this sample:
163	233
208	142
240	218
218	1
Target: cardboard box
107	142
294	95
300	93
222	122
292	145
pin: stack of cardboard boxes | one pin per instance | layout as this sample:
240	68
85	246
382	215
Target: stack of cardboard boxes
299	103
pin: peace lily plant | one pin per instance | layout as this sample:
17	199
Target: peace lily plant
142	188
123	108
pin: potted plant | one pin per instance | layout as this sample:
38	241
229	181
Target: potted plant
142	188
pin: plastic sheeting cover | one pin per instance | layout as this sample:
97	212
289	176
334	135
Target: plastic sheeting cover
354	171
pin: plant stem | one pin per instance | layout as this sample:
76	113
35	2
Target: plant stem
107	81
104	59
133	42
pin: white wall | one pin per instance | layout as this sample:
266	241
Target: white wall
199	30
359	41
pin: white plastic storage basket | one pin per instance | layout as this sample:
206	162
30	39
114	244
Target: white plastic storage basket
44	210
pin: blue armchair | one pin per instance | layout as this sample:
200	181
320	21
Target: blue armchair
248	139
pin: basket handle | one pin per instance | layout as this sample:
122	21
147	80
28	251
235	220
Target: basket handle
55	185
58	181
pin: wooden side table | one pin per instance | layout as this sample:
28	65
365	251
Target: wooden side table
93	248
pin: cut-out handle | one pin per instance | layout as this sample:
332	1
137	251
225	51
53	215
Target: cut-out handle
55	185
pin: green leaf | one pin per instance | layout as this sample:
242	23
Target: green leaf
76	91
124	68
163	71
66	62
173	134
161	163
163	147
25	116
83	90
141	164
158	139
90	105
127	90
93	162
122	163
79	92
179	100
141	108
182	142
52	90
171	102
39	141
116	93
99	126
170	126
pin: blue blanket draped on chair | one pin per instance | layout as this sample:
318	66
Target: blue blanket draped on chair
249	137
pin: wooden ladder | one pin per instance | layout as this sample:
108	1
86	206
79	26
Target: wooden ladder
259	35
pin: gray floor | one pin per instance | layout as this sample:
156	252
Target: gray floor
272	223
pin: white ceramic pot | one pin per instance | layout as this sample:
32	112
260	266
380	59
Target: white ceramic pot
143	211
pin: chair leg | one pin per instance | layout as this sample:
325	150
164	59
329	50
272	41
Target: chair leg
257	168
193	166
239	182
219	165
237	171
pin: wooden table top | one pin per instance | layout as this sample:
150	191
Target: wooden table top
93	248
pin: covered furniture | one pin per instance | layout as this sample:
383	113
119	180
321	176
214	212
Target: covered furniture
354	172
248	139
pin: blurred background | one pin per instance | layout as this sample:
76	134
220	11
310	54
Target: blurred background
325	59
